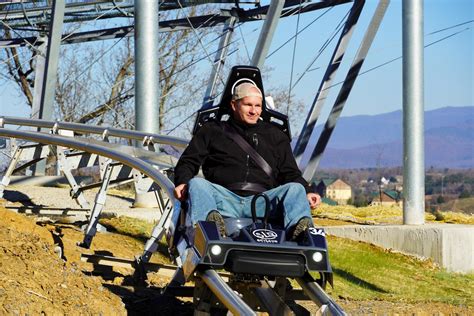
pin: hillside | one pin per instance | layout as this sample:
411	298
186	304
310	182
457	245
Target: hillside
459	205
369	141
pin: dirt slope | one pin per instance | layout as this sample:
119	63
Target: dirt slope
35	280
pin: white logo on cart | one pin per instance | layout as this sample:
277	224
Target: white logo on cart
315	231
265	236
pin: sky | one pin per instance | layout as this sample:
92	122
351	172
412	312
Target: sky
448	79
449	67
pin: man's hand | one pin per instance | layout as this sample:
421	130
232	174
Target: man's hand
314	200
181	191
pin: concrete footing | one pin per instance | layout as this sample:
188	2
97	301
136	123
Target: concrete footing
449	245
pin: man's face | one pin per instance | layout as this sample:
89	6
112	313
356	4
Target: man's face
248	109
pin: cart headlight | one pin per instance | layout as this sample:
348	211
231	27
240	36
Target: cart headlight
216	250
317	256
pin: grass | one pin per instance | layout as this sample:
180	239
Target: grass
459	205
373	215
133	227
452	218
124	191
366	272
139	229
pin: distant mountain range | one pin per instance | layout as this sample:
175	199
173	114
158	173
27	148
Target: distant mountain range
369	141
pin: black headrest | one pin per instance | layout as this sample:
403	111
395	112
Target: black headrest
241	74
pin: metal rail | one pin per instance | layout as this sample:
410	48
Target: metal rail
224	293
155	160
98	130
96	148
318	296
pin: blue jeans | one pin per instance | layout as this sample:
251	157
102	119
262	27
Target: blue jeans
288	202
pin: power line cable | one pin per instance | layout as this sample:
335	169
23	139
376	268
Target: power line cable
450	27
374	68
293	60
62	39
303	29
248	55
163	96
245	44
199	39
103	54
323	48
24	40
400	57
96	60
124	94
286	14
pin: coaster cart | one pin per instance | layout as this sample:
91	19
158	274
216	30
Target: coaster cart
259	260
255	252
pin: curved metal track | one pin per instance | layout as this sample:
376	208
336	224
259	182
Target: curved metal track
98	130
224	293
165	184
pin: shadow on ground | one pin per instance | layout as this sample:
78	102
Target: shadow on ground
149	301
138	297
357	281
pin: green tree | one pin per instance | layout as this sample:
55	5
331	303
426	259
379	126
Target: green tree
440	199
360	201
464	194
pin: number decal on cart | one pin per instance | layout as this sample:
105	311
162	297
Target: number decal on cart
315	231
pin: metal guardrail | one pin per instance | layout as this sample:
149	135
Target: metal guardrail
96	148
98	130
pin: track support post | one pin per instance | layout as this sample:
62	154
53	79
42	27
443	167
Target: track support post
7	176
65	167
99	203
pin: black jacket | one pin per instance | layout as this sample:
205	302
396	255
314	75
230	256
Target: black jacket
224	162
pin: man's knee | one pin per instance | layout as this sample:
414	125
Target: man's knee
295	188
198	183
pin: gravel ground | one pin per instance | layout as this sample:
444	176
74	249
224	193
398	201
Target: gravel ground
49	199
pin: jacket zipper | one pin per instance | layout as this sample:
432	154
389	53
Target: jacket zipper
248	168
255	143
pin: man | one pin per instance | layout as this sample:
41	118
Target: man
232	177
